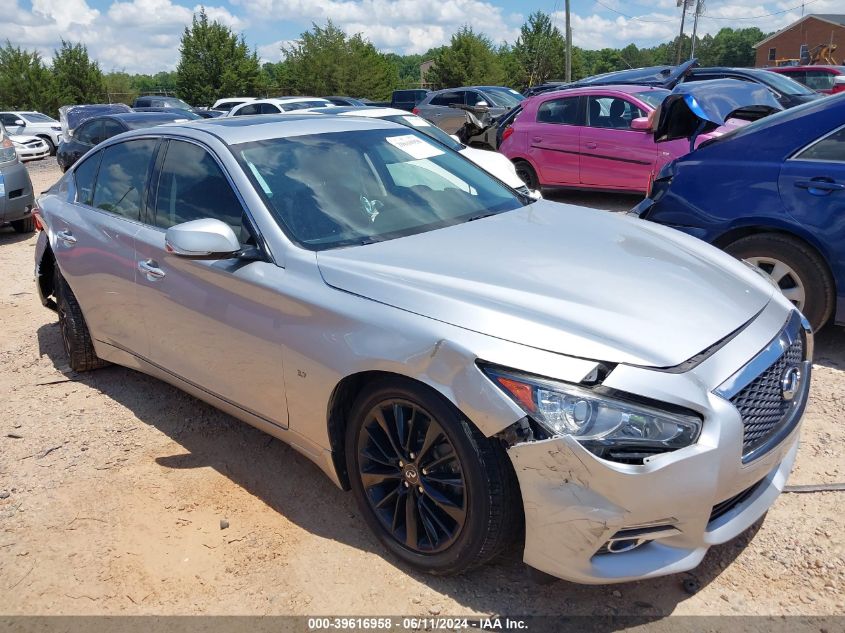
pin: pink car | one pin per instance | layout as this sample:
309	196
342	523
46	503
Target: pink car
590	138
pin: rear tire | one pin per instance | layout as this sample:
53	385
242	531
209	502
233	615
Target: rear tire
799	271
527	174
75	335
27	225
463	501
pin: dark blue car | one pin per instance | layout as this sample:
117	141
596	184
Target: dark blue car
771	193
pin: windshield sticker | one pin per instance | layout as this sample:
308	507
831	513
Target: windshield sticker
2	187
260	179
416	121
414	147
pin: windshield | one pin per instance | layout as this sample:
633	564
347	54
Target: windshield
653	97
394	183
421	125
37	117
503	97
784	84
173	102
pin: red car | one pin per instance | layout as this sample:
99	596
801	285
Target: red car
590	138
826	79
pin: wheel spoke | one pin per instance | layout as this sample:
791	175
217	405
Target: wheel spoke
411	521
382	422
780	271
374	479
433	515
446	479
379	458
409	433
379	444
397	515
428	526
439	461
796	294
447	505
432	434
392	495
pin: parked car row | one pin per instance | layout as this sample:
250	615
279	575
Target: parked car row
16	196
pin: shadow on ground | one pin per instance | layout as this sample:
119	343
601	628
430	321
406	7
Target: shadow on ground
291	485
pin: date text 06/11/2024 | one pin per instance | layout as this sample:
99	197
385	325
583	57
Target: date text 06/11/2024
415	624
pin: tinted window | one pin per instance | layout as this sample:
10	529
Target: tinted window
563	111
89	133
474	98
504	97
192	186
781	83
611	112
83	177
9	119
269	108
123	176
37	117
830	148
111	128
445	98
252	108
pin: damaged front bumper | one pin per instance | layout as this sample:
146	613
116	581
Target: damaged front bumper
594	521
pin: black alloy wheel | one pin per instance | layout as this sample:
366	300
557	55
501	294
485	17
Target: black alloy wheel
412	476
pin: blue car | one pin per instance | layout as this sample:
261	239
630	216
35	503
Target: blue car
771	193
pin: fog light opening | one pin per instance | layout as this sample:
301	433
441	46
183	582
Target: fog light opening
624	545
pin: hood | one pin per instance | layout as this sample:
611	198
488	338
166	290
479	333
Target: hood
21	139
562	278
494	163
71	117
658	76
699	107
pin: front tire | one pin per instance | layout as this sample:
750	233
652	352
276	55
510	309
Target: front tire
797	269
75	335
26	225
50	144
436	492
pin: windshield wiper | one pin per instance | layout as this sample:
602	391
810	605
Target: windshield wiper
480	216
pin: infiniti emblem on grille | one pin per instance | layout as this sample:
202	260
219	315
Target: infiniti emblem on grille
789	382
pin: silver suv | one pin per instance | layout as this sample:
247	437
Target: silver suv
16	198
33	124
436	107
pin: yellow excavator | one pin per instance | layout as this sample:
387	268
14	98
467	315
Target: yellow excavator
821	54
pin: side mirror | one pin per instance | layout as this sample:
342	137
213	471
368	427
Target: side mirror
20	122
201	238
455	138
481	104
640	123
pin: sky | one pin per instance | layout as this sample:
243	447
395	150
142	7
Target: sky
142	36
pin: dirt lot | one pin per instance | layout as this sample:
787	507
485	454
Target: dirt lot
113	486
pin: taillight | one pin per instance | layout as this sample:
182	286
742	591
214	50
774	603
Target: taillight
36	216
508	132
650	185
415	111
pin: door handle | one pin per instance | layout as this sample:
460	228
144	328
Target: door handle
66	237
536	139
819	186
591	145
151	271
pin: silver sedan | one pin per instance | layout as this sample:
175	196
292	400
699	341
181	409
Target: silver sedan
473	364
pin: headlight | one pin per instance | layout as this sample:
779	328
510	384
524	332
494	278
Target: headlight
7	151
57	128
600	422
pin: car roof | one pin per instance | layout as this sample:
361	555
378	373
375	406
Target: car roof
288	99
364	111
778	69
246	129
583	90
141	117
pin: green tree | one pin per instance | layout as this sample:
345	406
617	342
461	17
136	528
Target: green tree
119	87
326	61
539	53
25	82
470	59
215	63
76	78
735	47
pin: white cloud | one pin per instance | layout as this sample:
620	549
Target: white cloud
401	25
272	52
65	12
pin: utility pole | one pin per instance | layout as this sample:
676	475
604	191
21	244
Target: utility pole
568	46
683	5
699	9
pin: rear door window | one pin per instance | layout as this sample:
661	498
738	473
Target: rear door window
446	98
110	128
89	133
84	176
829	149
269	108
611	112
563	111
818	80
122	177
252	108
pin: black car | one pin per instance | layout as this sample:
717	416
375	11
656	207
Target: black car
157	101
788	93
98	129
407	99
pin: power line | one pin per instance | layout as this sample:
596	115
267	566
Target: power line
633	17
765	15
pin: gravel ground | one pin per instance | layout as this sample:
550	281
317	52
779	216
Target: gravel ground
113	486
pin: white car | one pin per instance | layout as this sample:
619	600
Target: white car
227	103
33	124
30	147
492	162
277	105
